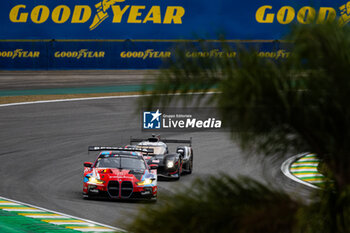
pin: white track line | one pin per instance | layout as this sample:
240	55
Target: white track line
94	98
68	100
22	210
65	215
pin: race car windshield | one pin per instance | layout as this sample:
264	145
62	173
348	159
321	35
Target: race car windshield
158	150
121	163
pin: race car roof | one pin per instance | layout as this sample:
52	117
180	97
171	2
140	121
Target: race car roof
148	143
114	148
155	138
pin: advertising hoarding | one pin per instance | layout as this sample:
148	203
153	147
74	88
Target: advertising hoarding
138	34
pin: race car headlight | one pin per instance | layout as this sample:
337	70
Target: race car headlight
94	180
170	164
145	182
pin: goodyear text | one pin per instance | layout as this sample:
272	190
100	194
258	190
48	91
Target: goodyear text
19	53
149	53
80	14
211	53
303	15
83	53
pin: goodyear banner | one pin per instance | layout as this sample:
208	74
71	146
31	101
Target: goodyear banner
137	34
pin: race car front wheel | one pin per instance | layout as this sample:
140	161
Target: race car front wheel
178	173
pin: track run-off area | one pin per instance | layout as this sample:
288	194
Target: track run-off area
44	145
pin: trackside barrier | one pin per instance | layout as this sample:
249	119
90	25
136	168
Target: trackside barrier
138	34
55	55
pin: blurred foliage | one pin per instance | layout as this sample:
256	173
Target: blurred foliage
329	212
295	104
271	107
221	204
327	173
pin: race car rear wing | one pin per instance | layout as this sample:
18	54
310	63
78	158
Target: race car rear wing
101	148
157	139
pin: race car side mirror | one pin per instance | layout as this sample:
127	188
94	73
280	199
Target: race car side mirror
87	164
181	151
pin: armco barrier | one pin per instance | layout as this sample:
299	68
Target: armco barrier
114	34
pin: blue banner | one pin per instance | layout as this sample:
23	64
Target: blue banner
112	55
107	34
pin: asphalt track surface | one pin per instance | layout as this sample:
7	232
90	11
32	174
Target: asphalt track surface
43	147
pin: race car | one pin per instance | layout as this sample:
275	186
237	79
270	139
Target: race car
169	165
119	173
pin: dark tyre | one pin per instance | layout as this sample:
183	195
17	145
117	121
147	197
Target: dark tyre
190	165
178	172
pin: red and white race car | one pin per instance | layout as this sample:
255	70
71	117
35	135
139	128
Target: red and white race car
119	173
